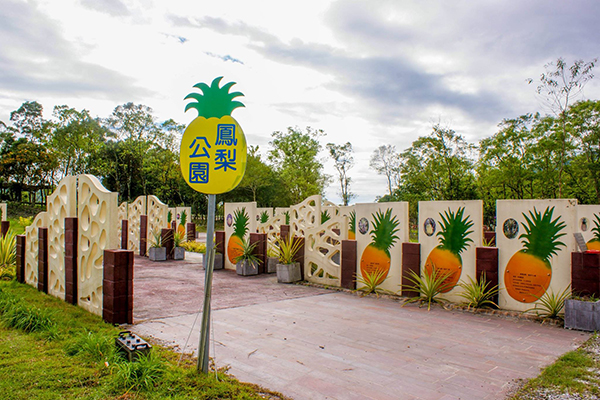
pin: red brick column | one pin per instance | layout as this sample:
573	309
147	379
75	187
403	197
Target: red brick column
166	238
348	267
411	261
300	255
71	239
4	227
260	250
143	234
284	232
490	236
43	260
191	232
117	287
21	242
124	234
174	225
585	273
486	261
220	242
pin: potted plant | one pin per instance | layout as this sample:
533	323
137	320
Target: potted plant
272	261
157	252
582	313
288	269
247	262
178	250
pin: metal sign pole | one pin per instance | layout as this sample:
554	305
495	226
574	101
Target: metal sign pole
208	273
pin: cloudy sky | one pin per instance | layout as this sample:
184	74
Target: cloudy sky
369	72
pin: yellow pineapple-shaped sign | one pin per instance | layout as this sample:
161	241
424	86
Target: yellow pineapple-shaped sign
213	148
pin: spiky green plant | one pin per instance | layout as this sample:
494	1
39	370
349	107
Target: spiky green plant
429	286
247	253
478	293
8	255
264	217
371	283
287	249
551	305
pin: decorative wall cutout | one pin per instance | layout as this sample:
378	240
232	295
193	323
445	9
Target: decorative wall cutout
136	210
272	228
305	215
31	252
97	212
62	203
588	224
157	214
323	250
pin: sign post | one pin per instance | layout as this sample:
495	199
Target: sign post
213	161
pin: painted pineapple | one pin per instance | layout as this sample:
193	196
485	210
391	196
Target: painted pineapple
453	239
264	217
181	227
240	228
594	243
376	257
528	272
352	225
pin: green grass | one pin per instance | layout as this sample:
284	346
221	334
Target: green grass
71	355
573	373
17	226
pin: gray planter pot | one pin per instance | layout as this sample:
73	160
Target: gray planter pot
157	253
288	273
218	260
582	315
272	265
178	253
246	268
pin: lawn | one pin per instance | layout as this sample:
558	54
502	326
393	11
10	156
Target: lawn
52	350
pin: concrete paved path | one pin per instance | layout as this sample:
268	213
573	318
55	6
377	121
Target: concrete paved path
313	344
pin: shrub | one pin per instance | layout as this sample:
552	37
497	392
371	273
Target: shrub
429	287
477	293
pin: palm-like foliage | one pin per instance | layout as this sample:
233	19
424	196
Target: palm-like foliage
429	287
371	282
8	255
286	250
551	305
478	293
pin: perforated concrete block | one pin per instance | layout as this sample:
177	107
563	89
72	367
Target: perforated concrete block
157	214
31	252
62	203
97	213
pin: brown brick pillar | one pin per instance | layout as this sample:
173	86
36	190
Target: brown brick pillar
174	225
260	250
348	267
284	232
220	242
71	246
124	234
43	260
486	262
117	287
490	237
585	274
21	245
143	234
191	232
411	261
166	238
4	227
300	255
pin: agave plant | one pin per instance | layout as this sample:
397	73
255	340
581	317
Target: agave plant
551	305
286	250
478	293
371	282
8	255
429	286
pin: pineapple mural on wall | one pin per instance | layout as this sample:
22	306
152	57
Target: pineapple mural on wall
594	243
454	239
529	272
376	257
240	228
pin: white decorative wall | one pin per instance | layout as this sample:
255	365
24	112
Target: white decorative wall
523	277
97	211
588	224
32	247
230	244
323	250
305	215
157	214
62	203
431	221
370	259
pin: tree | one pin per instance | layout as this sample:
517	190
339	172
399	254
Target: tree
258	174
295	159
343	161
560	84
385	161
